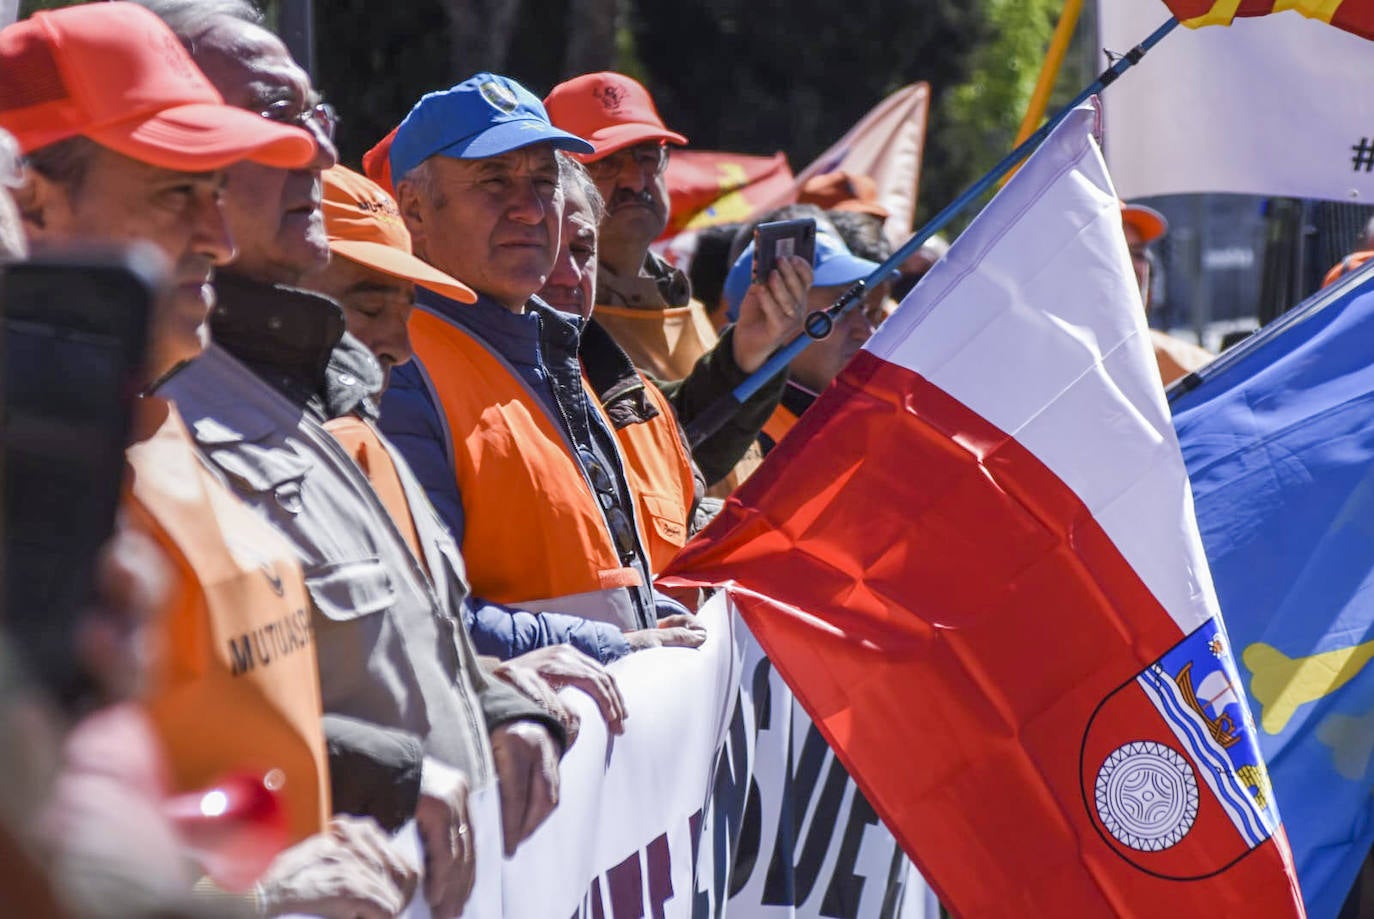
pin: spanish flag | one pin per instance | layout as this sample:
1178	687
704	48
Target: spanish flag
1351	15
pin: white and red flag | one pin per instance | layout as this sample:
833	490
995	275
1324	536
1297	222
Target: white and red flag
975	562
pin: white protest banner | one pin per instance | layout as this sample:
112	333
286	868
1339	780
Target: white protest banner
1273	105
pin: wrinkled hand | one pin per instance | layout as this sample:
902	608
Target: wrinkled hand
564	665
346	872
772	312
523	674
673	632
450	862
527	772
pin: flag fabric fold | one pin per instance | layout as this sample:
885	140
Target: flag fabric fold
1279	445
975	562
708	188
1351	15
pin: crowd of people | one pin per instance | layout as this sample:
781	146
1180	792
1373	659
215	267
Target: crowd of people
408	456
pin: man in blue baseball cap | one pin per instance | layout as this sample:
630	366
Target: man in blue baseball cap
836	269
493	413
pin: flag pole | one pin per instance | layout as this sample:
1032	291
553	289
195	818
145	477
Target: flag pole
819	323
1049	72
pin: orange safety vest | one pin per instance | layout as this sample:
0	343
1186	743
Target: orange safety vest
238	687
532	527
363	443
780	423
659	471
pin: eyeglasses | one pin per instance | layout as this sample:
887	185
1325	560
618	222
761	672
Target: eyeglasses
651	158
320	116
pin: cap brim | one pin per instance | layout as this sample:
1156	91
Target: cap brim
842	268
617	137
1148	222
202	137
403	265
512	135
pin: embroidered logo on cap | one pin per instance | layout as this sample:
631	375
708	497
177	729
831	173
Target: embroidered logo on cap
612	97
499	97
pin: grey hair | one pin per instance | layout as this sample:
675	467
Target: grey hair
190	19
573	176
426	184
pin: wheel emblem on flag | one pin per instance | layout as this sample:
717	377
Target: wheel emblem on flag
1147	796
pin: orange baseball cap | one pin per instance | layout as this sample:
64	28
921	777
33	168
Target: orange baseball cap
842	191
365	225
115	73
377	162
610	110
1147	221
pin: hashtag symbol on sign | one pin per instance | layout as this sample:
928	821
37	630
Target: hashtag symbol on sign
1364	155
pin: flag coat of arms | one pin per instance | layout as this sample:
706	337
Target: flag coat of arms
975	562
1279	445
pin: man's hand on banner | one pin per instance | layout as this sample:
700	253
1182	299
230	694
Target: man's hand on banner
527	774
682	631
445	830
347	872
771	313
525	674
564	665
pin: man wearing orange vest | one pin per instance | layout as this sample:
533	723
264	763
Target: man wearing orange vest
494	413
372	274
128	142
644	303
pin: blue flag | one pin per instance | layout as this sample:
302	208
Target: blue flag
1279	447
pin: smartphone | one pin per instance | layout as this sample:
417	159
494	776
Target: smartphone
73	334
779	239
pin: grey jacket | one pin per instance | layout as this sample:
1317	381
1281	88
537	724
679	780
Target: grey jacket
391	646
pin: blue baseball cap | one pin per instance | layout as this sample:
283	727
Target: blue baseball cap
834	265
485	115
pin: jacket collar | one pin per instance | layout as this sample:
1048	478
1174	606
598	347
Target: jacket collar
613	377
295	340
657	286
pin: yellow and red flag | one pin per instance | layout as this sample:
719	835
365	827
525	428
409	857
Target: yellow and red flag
709	188
1351	15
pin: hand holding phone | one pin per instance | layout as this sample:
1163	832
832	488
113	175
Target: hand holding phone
777	240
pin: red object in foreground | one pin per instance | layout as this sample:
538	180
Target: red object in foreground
234	830
1351	15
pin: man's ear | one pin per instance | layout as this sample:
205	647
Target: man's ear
42	204
409	202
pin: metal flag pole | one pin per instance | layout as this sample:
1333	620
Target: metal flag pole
819	323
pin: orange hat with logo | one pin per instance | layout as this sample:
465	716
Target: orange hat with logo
1146	221
842	191
610	110
114	72
365	226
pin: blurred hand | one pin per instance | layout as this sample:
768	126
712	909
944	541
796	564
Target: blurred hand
450	857
672	632
772	312
346	872
117	638
527	770
564	665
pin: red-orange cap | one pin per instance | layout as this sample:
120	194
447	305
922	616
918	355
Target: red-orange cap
365	225
1147	221
115	73
377	162
609	110
842	191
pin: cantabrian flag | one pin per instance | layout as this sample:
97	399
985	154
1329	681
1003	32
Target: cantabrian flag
976	564
1352	15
